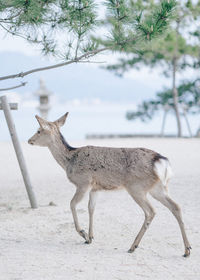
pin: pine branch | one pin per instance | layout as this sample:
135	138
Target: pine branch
78	59
9	88
20	35
129	29
145	111
78	18
189	98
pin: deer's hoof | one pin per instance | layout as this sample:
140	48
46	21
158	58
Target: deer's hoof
83	234
187	252
89	241
132	249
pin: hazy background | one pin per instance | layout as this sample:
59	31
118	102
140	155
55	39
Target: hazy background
96	99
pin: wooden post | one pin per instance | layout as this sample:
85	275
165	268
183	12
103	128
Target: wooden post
18	151
13	106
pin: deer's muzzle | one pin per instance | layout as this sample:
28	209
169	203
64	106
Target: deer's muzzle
30	142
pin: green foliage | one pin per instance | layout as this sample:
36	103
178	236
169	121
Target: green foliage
161	52
67	28
145	111
176	42
155	23
20	12
174	52
189	100
131	26
42	22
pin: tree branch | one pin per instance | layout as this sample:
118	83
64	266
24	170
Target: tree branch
78	59
12	17
20	35
9	88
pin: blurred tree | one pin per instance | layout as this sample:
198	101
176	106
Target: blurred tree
189	100
174	52
64	28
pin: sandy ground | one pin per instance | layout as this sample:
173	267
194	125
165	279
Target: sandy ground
43	245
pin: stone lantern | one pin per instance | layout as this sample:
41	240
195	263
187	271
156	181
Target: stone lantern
44	95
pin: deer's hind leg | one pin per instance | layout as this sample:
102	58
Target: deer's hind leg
149	212
159	192
78	196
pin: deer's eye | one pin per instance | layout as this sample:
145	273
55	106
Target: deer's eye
38	132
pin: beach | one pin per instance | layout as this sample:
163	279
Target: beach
42	243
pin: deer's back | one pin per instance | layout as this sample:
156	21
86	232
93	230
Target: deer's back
110	168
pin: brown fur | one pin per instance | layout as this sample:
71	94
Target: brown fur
138	170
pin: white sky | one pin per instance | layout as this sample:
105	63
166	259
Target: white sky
15	44
145	76
11	43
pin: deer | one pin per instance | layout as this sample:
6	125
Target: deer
139	171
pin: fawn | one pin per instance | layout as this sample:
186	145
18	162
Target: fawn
138	170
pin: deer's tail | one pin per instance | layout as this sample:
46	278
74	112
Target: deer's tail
163	170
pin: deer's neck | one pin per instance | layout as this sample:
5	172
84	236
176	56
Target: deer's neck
61	151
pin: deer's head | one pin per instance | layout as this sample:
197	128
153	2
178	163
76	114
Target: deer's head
47	132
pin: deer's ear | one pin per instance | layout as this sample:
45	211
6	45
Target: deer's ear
61	121
43	123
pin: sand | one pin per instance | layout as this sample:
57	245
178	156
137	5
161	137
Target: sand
42	244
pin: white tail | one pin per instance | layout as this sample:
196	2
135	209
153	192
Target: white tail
138	170
163	169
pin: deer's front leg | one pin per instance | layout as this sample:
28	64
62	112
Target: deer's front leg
91	207
78	196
